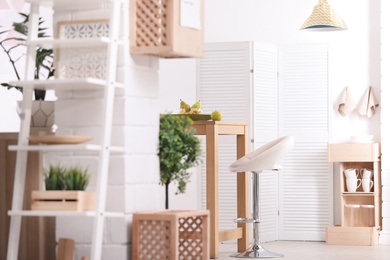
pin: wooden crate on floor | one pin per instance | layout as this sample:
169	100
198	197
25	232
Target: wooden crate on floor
63	200
171	234
353	236
157	28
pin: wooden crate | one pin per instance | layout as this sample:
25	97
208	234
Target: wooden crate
63	200
354	236
354	152
171	234
155	29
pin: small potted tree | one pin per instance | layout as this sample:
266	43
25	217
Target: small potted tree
179	150
44	68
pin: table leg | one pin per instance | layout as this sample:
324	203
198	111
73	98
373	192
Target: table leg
242	193
212	187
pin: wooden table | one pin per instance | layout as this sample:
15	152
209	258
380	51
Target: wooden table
211	129
37	240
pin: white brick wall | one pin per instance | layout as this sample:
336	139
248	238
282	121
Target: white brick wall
133	175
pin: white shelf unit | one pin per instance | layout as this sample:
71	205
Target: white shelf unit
63	147
104	148
61	213
66	84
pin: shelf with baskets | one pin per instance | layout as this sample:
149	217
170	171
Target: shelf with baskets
104	79
360	206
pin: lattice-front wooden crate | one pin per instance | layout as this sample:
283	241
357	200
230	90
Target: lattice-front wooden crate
158	28
171	235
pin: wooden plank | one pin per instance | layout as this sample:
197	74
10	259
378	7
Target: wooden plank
356	236
212	187
65	249
230	234
354	152
242	192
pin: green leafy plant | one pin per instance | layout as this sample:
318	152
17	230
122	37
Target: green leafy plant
76	178
179	150
44	62
62	178
55	178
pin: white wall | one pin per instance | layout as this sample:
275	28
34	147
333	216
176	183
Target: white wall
384	237
354	53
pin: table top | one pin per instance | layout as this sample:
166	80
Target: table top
221	127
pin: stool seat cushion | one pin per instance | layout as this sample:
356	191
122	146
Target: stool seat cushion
264	157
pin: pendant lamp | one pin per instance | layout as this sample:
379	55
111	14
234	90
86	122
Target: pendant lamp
324	18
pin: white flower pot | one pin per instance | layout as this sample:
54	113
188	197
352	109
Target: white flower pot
42	113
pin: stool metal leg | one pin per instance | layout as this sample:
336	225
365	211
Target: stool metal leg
256	250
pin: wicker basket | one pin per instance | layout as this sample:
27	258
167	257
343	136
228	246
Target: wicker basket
171	235
155	29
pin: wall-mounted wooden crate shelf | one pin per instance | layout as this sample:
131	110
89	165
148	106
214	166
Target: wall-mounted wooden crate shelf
156	29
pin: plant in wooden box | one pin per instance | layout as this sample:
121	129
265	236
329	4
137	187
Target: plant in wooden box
42	111
65	190
179	150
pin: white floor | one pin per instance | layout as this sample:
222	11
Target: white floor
299	250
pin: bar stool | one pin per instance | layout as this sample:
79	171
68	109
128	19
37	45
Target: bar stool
263	158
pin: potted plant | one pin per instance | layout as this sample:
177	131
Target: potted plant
44	64
179	150
65	190
76	178
54	178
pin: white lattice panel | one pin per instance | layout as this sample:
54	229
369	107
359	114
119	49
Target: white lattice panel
82	62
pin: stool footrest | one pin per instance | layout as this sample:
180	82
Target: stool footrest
246	220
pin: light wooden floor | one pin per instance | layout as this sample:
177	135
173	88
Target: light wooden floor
297	250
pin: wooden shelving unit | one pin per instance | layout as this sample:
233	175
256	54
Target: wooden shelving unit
360	232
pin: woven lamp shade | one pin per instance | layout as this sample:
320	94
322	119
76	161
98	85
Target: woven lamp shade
324	17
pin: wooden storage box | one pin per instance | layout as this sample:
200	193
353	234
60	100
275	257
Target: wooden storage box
63	200
155	29
354	152
171	234
354	236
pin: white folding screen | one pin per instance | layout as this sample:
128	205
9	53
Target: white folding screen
264	123
240	79
278	91
305	186
223	83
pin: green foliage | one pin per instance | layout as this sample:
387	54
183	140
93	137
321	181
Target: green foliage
77	179
61	178
55	178
44	62
179	150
